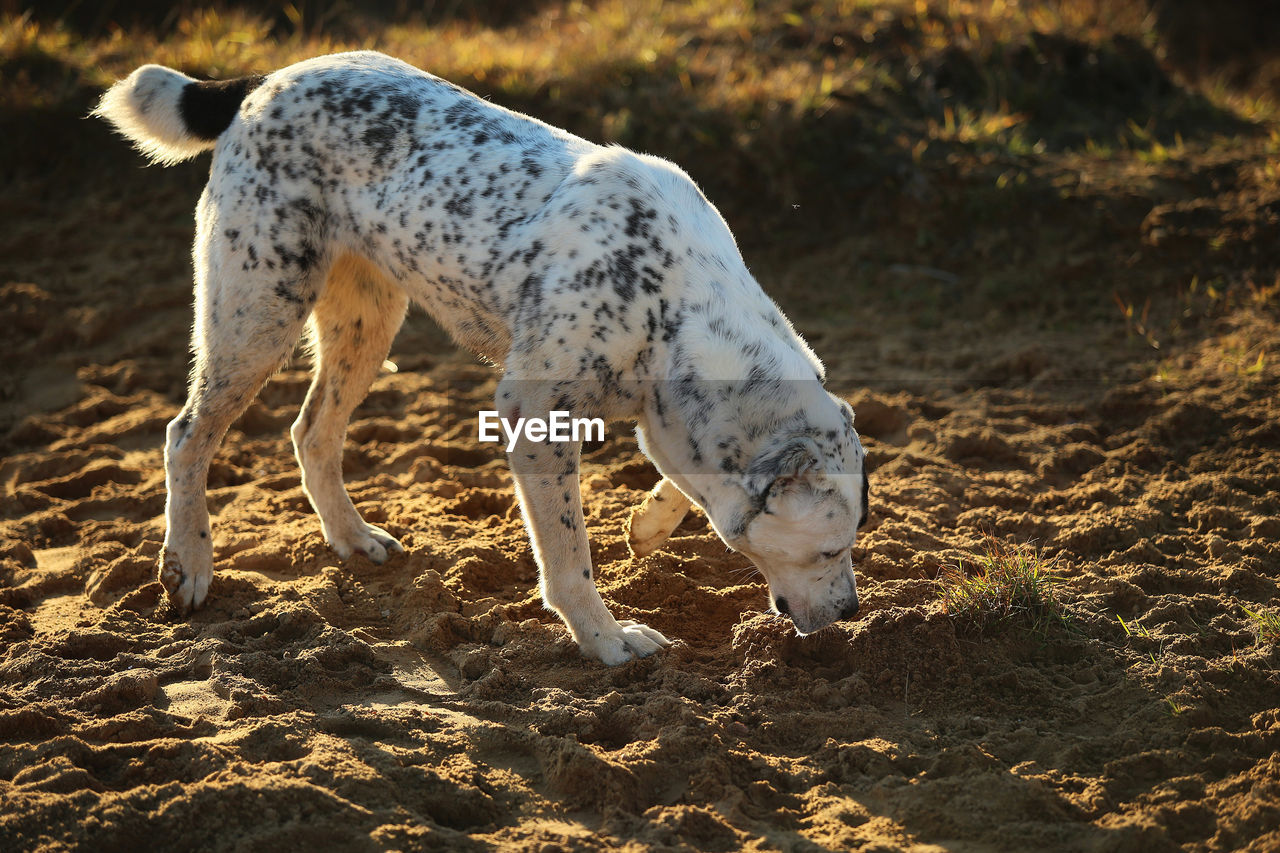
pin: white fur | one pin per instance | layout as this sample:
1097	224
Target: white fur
143	108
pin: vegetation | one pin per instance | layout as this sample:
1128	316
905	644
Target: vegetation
1266	624
1003	585
771	103
979	154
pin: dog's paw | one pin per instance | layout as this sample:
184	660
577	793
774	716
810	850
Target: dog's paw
644	542
187	587
374	542
630	641
653	522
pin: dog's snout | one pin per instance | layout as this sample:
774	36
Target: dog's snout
783	607
850	611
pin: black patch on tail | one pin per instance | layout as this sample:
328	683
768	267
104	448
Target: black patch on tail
207	107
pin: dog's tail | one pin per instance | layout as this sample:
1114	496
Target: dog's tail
169	116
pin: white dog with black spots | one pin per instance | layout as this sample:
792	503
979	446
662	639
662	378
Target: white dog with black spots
600	280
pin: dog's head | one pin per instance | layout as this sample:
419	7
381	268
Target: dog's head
794	510
809	497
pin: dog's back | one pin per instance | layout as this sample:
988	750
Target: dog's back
361	153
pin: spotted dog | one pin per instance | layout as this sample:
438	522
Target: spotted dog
602	281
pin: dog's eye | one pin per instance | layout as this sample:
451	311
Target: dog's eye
831	555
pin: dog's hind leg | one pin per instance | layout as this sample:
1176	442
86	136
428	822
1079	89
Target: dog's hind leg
248	320
655	519
352	328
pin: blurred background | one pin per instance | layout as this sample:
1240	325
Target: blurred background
1101	166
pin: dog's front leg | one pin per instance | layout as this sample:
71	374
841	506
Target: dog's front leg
546	480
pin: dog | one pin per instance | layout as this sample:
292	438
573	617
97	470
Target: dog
600	280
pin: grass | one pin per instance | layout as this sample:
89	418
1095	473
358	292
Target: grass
819	107
1137	629
1003	585
1137	322
1266	625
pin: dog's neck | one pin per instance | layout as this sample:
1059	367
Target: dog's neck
738	381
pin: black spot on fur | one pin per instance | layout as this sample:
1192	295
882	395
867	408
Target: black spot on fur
403	104
638	219
531	291
282	290
461	205
208	107
380	137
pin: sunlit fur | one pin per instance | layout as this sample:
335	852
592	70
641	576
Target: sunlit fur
143	107
602	282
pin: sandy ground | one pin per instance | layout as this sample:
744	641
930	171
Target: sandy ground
431	703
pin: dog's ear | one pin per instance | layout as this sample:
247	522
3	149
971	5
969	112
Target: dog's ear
866	496
779	469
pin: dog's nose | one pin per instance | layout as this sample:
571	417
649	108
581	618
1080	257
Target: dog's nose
783	607
850	611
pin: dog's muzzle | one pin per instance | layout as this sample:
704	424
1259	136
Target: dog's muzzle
783	607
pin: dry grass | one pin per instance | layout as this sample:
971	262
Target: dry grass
815	106
1000	586
1014	148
